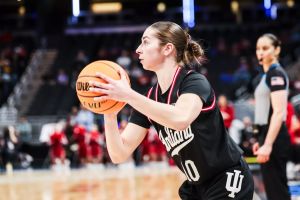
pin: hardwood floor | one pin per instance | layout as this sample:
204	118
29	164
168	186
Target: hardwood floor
90	184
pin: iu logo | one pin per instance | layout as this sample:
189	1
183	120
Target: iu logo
235	185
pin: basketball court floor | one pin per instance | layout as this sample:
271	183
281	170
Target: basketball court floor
142	183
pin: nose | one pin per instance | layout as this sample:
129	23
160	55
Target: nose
138	50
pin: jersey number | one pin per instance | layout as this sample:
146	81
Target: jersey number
190	170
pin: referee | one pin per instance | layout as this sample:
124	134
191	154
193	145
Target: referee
270	116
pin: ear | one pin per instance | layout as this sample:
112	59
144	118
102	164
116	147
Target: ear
277	51
168	49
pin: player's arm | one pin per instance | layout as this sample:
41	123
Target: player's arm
121	145
178	117
279	104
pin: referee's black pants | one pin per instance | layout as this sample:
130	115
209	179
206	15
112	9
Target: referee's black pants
274	171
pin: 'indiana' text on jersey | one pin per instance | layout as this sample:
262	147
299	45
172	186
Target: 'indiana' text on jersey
176	140
204	149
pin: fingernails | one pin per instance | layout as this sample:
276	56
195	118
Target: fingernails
98	73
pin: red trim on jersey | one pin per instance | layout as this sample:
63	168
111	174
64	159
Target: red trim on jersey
173	84
208	108
149	92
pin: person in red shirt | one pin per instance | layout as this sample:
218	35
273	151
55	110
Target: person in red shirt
227	111
79	135
57	151
293	125
152	147
96	139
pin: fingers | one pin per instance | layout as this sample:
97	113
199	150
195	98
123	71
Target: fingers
104	77
255	148
101	98
262	159
96	84
98	90
123	74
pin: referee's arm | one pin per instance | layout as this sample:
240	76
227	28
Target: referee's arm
279	105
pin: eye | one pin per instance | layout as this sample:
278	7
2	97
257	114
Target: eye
145	42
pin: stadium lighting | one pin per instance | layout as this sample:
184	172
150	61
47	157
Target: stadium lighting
114	7
161	7
189	12
76	8
274	12
290	3
267	4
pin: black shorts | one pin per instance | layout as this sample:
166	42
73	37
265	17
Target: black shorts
235	183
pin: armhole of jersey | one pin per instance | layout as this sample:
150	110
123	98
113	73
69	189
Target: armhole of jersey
207	108
212	106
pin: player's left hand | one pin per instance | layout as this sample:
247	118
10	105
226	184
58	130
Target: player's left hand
263	153
118	90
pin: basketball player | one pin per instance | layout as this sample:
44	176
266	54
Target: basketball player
271	97
182	108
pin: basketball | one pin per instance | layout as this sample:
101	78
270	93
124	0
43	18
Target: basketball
86	97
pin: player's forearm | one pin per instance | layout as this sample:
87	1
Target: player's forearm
115	145
274	128
167	115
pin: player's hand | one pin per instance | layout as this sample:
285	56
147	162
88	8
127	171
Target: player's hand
118	90
263	153
255	147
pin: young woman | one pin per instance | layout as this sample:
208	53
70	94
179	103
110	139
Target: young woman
182	108
271	97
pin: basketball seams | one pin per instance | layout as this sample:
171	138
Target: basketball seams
97	76
87	96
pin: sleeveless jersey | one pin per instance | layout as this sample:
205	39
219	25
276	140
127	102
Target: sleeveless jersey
204	149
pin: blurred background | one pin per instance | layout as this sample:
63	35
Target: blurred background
44	45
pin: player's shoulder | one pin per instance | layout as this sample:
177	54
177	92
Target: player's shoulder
194	75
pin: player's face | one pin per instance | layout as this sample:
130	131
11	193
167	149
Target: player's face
266	53
149	51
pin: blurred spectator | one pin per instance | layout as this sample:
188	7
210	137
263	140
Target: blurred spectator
247	139
152	148
57	151
8	147
227	111
73	116
80	138
293	126
24	130
96	143
62	78
242	76
85	118
124	59
81	58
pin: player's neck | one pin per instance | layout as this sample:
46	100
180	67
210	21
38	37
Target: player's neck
165	76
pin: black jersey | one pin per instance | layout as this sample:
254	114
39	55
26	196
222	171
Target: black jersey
204	149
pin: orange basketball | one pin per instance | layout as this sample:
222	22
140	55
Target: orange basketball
86	97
